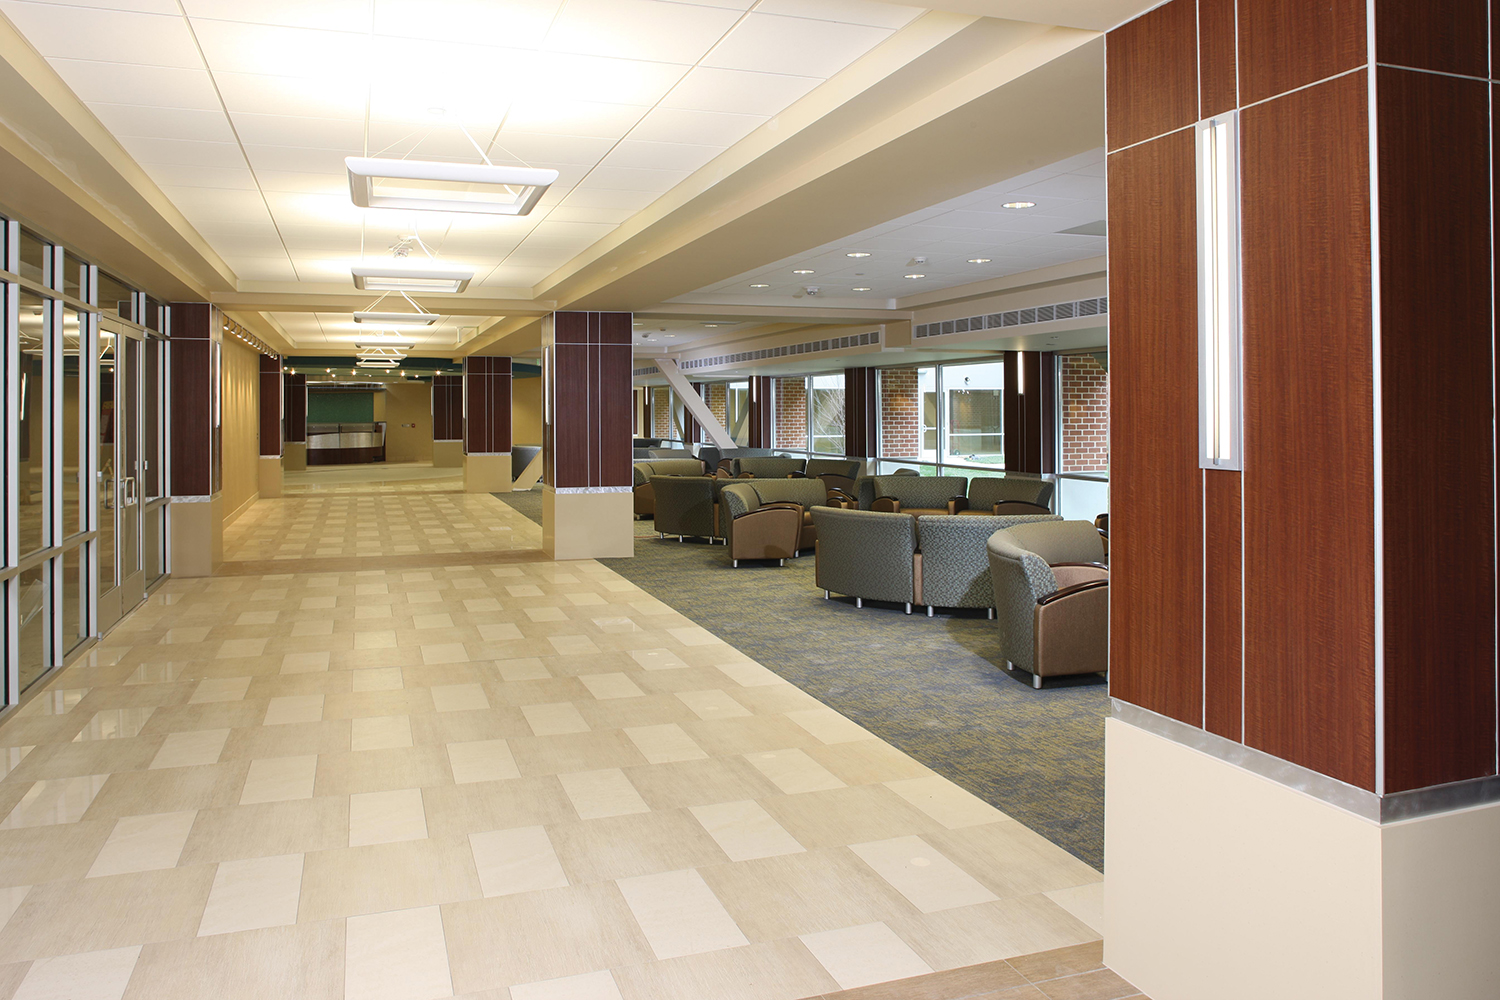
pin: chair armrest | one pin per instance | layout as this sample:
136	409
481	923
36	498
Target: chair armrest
1068	574
1091	565
956	504
1066	592
889	505
837	496
796	475
1019	507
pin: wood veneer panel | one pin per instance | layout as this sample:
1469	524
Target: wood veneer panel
1218	70
1156	507
487	413
1449	36
296	407
761	411
1436	379
859	412
447	407
1047	418
270	410
1285	44
1223	653
1309	436
192	426
1151	74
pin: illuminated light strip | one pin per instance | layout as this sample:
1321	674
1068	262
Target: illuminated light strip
1219	323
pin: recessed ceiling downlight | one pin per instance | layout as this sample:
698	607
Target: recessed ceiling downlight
803	270
1019	204
916	275
979	260
857	253
760	285
861	288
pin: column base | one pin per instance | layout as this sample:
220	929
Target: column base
447	454
1221	884
270	476
487	474
588	525
294	456
197	531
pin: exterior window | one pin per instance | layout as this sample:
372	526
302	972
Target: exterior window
973	414
825	398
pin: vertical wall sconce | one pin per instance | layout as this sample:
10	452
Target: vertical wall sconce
1219	324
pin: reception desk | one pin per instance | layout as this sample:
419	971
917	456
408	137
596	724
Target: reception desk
345	444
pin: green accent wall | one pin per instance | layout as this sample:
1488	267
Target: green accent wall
340	407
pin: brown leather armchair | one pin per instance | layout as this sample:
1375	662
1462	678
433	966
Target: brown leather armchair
759	530
1051	597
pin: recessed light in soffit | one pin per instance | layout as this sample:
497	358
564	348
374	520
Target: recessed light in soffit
431	186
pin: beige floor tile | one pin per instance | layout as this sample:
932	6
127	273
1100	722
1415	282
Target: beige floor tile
520	859
58	800
277	779
144	843
556	719
233	649
115	724
793	771
597	794
459	698
605	686
100	914
546	614
657	659
700	782
381	639
253	894
1012	860
853	815
156	673
400	955
748	674
220	689
817	890
599	985
866	762
386	817
502	632
713	704
267	829
201	746
679	914
745	831
447	652
377	679
664	744
304	663
778	970
946	802
96	975
380	733
314	628
305	961
617	847
294	708
860	956
11	898
929	881
526	668
829	726
1084	902
381	877
573	645
481	760
1005	929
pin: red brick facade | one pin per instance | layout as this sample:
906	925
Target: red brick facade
661	412
1085	414
791	413
900	413
717	395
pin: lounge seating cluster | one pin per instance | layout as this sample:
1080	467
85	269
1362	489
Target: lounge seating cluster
917	495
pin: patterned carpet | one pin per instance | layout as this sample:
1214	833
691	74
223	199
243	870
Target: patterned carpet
928	686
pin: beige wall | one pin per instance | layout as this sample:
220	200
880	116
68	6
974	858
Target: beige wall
241	403
526	411
407	403
377	406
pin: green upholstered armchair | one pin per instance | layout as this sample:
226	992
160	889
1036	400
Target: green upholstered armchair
916	495
1051	597
866	555
836	473
645	496
687	505
990	495
953	563
768	467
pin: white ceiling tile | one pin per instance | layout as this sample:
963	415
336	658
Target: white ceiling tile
232	47
217	204
140	6
183	151
637	179
310	133
177	175
262	269
297	159
149	86
106	35
708	128
880	15
584	118
258	93
279	180
772	44
533	147
660	155
557	231
612	216
314	209
163	123
640	29
596	78
519	23
590	197
335	15
430	141
229	246
738	91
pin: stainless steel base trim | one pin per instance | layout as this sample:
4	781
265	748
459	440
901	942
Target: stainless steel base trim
591	489
1364	804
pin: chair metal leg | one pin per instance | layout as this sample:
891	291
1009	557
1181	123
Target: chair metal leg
735	563
991	613
908	607
827	596
661	534
679	539
1036	681
859	602
781	562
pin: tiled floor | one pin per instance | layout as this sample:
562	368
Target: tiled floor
489	776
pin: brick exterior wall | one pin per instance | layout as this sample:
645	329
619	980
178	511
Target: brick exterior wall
661	413
791	413
900	413
718	402
1085	414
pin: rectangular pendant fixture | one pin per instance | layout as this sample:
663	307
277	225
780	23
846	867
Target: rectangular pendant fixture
385	278
1220	326
397	319
433	186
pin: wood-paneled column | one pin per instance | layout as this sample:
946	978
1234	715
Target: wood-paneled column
1029	405
1303	660
486	397
448	421
294	408
587	507
271	400
762	411
197	520
861	422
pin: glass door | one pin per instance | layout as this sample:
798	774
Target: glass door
153	471
122	578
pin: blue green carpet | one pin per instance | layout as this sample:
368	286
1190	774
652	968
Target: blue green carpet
931	686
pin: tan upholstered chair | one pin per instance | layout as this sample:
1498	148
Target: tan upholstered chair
757	529
645	496
1006	495
917	495
1051	598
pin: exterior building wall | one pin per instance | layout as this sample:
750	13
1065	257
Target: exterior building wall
717	396
791	413
661	413
900	413
1085	414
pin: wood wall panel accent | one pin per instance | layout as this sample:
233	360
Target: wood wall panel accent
1156	506
296	407
487	402
447	407
1309	478
270	406
1447	36
1218	66
586	442
192	321
1285	44
1223	653
1047	428
192	424
1151	74
1437	369
762	411
861	421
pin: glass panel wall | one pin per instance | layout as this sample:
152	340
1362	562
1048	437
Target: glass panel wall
825	413
739	412
972	407
942	416
31	445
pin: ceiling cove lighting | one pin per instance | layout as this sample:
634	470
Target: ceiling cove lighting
389	278
857	253
1019	204
803	270
1219	329
861	288
759	285
916	275
432	186
979	260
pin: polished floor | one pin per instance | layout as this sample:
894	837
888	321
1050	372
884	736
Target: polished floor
327	773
